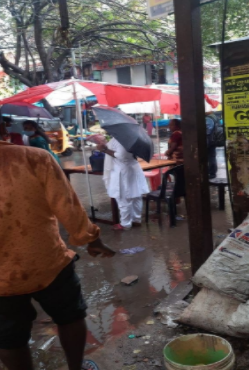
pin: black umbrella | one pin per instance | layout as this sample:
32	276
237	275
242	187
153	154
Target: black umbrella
126	131
25	110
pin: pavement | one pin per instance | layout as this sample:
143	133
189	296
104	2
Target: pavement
117	311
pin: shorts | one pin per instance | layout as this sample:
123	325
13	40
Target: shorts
62	300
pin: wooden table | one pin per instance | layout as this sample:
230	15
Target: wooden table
154	164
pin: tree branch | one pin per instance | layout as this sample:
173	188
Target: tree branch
14	71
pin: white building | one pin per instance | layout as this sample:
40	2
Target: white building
137	71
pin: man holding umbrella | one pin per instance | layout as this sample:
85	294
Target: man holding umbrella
124	181
123	176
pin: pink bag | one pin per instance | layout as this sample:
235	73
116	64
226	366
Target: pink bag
97	139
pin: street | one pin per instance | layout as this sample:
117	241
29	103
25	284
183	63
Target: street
143	95
116	311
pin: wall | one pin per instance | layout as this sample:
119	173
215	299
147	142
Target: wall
169	69
138	76
110	76
148	74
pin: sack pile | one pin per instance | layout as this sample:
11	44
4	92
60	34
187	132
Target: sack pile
224	278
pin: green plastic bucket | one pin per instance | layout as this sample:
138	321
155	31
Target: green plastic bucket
199	352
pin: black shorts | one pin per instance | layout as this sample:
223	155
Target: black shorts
62	300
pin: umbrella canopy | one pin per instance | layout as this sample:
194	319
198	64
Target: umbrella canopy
25	109
126	131
62	92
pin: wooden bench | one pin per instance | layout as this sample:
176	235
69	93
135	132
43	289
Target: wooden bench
220	183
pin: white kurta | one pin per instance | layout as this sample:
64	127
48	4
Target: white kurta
123	175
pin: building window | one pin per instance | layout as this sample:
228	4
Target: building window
158	74
124	75
97	76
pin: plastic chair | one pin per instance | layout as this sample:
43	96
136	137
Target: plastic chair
154	177
168	193
162	156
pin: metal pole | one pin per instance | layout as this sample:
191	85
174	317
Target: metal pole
85	118
157	130
81	63
78	112
74	63
190	67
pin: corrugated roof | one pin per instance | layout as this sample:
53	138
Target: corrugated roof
229	41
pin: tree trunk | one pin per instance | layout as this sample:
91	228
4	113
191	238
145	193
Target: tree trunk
18	49
39	40
64	15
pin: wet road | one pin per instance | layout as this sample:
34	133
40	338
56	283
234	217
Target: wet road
115	309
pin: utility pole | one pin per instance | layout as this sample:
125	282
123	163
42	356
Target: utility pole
190	67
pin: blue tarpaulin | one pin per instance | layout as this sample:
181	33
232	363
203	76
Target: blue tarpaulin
88	99
72	102
162	123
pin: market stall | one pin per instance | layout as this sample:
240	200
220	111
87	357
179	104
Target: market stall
62	92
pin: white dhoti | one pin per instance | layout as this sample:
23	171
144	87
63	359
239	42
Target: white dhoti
130	211
125	181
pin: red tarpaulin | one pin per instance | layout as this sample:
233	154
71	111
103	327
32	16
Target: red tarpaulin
170	103
58	93
170	100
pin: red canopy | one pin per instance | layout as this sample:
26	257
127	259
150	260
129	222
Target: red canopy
170	100
170	104
58	93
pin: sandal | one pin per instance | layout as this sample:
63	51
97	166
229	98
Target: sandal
89	365
119	227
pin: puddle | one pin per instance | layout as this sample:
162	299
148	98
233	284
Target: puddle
115	309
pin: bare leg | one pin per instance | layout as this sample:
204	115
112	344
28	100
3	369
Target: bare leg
17	359
73	340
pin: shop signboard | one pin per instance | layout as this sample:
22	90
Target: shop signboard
235	75
162	8
118	63
236	110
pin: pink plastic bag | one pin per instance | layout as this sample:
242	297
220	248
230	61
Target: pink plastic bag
97	139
